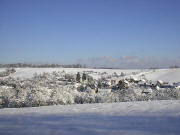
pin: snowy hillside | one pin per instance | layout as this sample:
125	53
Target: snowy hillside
168	75
28	72
127	118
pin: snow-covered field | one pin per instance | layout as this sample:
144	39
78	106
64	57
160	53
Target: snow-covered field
131	118
167	75
125	118
28	72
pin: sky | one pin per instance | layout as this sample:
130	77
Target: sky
105	32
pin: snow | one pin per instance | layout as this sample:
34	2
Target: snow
2	69
47	89
166	75
28	72
104	90
129	118
158	117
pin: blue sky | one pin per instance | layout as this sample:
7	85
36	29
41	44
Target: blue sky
64	31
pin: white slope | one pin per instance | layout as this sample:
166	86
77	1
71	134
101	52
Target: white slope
167	75
2	69
28	72
127	118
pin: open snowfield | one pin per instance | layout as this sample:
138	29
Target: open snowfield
167	75
28	72
160	117
126	118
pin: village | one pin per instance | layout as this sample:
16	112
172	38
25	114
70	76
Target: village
60	87
84	82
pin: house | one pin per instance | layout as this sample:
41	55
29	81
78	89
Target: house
177	85
147	91
162	84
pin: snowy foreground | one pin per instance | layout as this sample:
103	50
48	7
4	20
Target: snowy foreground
126	118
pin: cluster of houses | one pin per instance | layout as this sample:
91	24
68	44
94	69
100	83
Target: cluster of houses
84	82
116	83
112	83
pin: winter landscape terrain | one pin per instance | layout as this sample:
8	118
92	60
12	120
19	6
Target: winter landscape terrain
89	67
145	102
126	118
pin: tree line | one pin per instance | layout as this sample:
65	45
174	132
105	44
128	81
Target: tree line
23	65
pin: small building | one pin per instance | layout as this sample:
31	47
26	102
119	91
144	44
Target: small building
177	85
147	91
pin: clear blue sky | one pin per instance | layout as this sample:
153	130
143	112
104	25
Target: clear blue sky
62	31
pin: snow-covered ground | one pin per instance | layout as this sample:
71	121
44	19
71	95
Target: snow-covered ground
28	72
167	75
126	118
